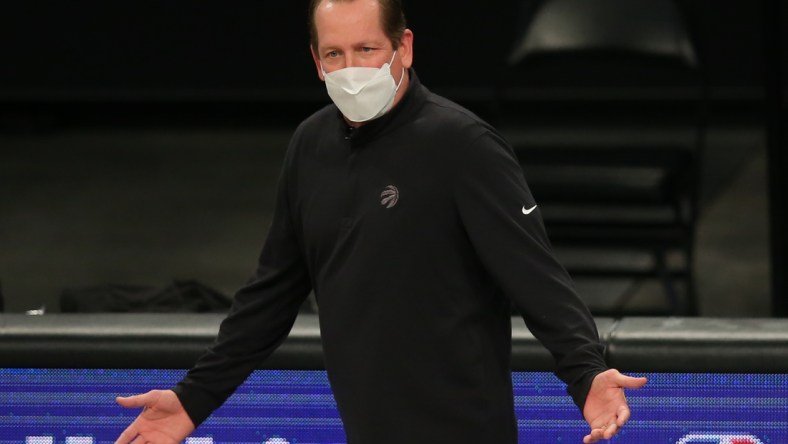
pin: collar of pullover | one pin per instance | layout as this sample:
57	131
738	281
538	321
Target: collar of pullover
403	112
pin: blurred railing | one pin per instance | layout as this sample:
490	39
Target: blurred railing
635	344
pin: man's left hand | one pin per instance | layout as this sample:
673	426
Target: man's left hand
606	409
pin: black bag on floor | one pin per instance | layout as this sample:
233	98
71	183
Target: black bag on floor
179	297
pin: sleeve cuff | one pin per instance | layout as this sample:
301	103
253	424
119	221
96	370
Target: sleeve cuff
580	388
198	404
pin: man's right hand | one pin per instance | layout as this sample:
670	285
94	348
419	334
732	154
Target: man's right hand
163	419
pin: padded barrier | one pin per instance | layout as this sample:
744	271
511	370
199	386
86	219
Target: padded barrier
176	341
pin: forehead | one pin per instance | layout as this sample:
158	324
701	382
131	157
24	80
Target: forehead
340	23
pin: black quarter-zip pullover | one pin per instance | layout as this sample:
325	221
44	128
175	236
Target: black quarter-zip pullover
416	231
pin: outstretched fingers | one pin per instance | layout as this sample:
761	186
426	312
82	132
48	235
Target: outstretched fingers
629	382
606	409
622	416
136	401
129	434
606	431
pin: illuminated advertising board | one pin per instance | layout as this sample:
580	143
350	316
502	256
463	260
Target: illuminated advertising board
76	406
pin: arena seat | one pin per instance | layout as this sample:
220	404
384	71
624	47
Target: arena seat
605	106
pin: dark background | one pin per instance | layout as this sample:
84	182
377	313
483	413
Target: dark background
140	141
256	52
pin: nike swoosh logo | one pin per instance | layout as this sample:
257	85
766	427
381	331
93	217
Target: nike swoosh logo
530	210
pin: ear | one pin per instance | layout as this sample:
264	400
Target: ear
316	59
405	50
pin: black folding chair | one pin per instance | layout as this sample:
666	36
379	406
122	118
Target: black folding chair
605	104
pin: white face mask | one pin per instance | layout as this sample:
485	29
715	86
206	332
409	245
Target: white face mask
362	94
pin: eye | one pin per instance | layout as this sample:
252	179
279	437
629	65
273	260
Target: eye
332	54
367	49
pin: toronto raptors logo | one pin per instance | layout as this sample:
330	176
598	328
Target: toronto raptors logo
389	197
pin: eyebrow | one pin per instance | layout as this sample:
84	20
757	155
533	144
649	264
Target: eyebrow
362	44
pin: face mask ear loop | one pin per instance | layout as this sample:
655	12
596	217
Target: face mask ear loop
401	78
402	75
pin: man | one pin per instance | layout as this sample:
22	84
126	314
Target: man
410	219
